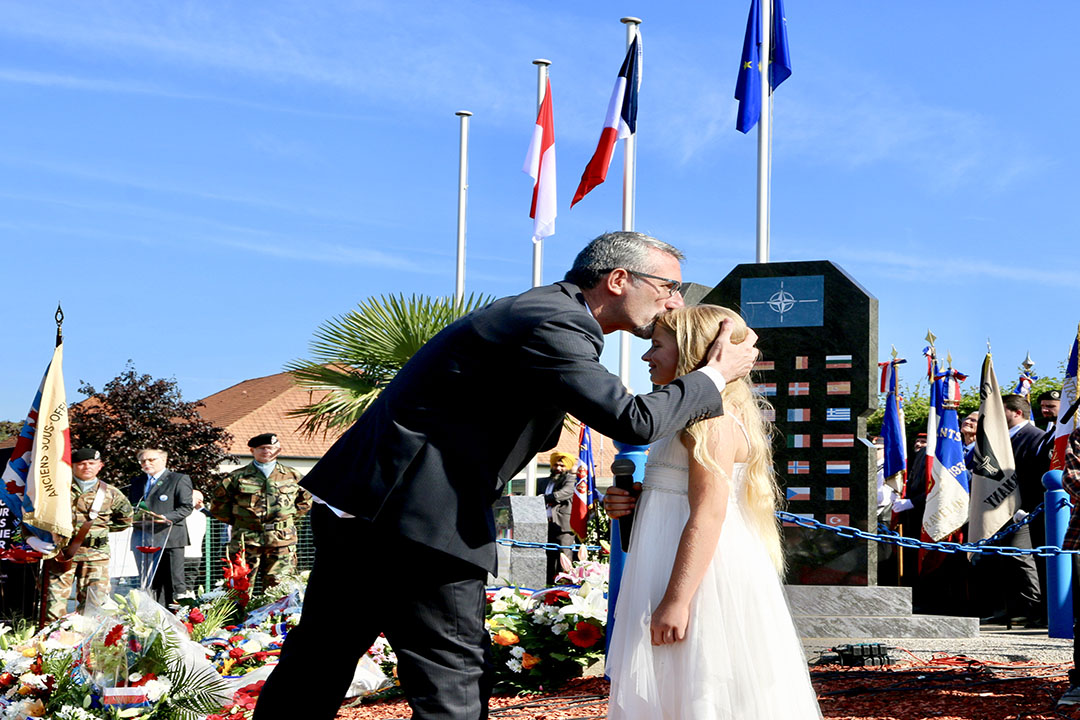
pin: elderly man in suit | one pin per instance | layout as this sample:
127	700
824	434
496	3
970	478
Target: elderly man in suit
162	500
406	478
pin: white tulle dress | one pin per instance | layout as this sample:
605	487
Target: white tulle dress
741	658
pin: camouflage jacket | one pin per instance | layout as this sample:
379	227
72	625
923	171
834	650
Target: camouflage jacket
114	516
262	510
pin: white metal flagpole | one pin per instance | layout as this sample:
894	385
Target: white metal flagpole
463	191
628	201
538	250
538	243
764	136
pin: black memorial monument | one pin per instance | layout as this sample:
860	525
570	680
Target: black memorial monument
818	339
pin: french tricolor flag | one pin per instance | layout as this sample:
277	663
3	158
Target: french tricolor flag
1069	393
621	120
540	166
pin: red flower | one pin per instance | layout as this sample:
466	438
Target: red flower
134	645
113	638
196	616
144	679
237	639
553	596
585	635
236	653
189	627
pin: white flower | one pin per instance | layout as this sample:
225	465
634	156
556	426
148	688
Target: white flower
70	712
156	688
591	606
35	681
517	651
559	628
514	665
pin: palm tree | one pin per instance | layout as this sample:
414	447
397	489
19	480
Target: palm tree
356	355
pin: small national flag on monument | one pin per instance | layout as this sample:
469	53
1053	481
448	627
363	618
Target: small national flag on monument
798	493
769	414
837	467
540	166
838	440
838	414
798	415
838	519
798	467
804	516
838	388
766	389
802	362
762	365
798	388
798	441
837	362
620	122
837	493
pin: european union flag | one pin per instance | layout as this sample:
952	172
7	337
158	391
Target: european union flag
748	87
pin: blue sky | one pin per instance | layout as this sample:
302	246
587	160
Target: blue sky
202	184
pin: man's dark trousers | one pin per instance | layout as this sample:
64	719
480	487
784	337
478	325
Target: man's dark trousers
429	605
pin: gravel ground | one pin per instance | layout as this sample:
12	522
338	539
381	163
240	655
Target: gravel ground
994	644
1005	677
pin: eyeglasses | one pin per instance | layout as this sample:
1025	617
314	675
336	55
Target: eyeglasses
672	286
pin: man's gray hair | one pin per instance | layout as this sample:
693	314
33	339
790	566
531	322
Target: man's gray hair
612	250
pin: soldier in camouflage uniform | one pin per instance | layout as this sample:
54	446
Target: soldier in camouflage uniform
263	501
88	566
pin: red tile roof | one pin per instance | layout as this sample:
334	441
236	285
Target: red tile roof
262	405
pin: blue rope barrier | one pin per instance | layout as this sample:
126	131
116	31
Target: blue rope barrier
545	546
892	538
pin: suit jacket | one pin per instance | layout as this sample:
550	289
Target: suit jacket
560	498
170	496
1030	465
473	405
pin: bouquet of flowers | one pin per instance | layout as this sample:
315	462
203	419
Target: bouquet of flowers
134	661
545	638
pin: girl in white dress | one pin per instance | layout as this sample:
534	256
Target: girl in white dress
702	629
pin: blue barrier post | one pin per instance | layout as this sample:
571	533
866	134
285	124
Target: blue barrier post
1059	609
618	557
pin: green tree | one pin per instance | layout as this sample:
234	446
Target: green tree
9	429
134	411
354	356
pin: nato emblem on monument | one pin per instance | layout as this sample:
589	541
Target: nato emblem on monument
817	331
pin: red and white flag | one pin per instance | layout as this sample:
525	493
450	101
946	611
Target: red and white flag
621	120
1069	393
540	166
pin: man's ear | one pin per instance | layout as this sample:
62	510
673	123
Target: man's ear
617	280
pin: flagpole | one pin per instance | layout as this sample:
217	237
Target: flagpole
629	201
538	242
764	135
538	250
463	191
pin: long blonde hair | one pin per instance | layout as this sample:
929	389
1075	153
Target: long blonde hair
694	329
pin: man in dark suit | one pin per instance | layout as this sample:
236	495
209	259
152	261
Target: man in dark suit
1016	576
162	501
558	494
406	481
